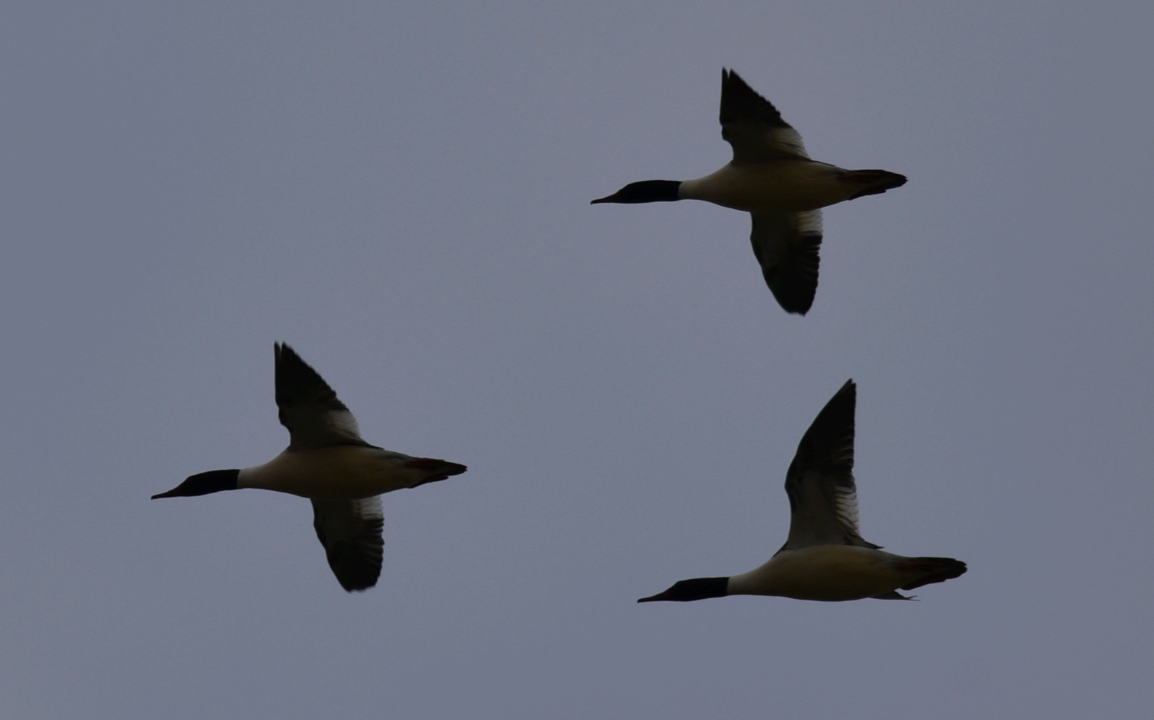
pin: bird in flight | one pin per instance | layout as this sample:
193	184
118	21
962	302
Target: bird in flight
771	177
825	556
328	462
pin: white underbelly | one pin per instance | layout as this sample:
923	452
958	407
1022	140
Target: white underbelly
340	472
781	186
825	572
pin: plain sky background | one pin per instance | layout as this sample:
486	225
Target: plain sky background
401	192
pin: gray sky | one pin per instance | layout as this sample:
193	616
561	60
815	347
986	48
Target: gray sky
400	191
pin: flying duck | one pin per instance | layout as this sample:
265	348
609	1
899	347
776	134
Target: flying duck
772	178
327	462
824	558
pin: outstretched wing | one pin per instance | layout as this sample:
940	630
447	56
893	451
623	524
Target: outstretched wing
786	245
350	531
753	126
820	485
308	407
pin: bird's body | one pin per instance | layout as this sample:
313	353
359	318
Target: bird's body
825	557
771	177
328	462
781	186
833	573
339	472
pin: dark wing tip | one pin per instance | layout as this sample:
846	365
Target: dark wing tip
287	359
850	386
840	408
739	100
829	439
794	284
793	299
282	352
355	578
296	381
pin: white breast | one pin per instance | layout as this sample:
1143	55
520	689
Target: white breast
336	472
779	186
822	572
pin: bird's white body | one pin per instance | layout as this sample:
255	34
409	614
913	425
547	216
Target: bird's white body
823	572
334	472
787	185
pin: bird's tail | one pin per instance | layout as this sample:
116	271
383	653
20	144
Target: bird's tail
927	570
437	469
872	182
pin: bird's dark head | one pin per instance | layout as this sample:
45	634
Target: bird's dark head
695	589
646	191
203	484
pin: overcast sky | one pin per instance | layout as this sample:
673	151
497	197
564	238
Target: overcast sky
401	192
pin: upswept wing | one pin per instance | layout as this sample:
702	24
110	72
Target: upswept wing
350	531
753	126
308	407
820	485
